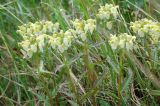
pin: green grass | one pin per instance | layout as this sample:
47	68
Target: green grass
68	82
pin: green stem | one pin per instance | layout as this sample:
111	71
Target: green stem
71	82
120	76
73	87
42	79
91	76
86	60
47	91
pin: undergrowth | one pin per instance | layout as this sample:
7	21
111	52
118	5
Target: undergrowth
79	52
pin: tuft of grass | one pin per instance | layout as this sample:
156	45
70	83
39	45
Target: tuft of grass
92	74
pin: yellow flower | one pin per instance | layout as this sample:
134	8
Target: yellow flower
147	27
107	11
89	25
123	41
40	41
70	32
114	42
34	47
67	40
25	44
27	48
78	25
83	36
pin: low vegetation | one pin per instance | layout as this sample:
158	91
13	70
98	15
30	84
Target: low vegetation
79	53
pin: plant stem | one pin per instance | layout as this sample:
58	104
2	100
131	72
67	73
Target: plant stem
120	76
72	85
47	90
91	76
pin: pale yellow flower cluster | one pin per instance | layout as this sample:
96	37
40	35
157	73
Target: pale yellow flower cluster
123	41
44	34
47	35
41	35
147	27
107	12
38	28
62	41
30	45
82	27
34	36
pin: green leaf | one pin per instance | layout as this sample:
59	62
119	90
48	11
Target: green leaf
155	92
104	103
127	80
